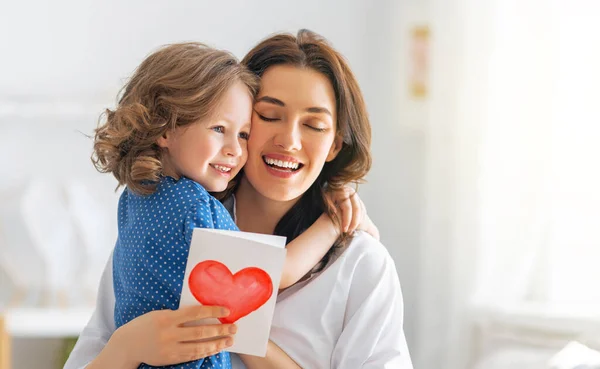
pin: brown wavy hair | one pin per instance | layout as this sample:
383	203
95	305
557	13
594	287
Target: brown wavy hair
310	50
175	86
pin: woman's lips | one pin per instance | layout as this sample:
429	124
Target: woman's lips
282	166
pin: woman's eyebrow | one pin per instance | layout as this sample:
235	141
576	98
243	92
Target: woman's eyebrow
274	101
270	100
319	110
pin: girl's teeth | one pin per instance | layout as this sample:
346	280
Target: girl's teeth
281	163
222	169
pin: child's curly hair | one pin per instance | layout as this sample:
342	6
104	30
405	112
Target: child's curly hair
177	85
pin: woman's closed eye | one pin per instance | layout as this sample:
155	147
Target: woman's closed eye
311	126
316	128
267	119
316	125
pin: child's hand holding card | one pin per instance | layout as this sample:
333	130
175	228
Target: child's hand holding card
240	271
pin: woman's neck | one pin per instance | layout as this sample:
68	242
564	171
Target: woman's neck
256	213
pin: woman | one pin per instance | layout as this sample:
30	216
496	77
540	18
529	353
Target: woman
348	312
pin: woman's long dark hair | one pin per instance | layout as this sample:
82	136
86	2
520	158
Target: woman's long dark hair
309	50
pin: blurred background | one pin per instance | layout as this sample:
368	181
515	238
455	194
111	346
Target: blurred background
485	182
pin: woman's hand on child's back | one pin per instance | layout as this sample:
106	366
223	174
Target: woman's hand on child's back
161	338
351	212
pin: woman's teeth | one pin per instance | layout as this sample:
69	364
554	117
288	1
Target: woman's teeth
282	164
221	168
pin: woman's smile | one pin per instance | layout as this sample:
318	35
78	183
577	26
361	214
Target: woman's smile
282	166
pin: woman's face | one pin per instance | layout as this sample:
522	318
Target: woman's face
293	132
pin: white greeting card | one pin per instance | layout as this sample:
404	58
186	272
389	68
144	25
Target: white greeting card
241	271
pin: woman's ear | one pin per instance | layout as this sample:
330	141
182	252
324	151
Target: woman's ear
336	146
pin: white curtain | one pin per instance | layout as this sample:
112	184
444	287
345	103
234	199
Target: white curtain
512	207
540	154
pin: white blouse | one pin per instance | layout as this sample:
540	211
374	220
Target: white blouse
349	316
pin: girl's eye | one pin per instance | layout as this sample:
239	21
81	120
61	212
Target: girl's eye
266	119
244	135
219	129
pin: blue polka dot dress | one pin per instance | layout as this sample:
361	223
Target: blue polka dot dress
150	256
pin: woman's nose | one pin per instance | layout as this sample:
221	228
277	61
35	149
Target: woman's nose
288	137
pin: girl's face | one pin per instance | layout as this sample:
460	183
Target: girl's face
211	152
293	132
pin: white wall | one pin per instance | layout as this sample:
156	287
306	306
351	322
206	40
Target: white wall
75	48
79	52
395	191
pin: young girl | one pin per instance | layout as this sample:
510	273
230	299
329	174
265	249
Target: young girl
180	131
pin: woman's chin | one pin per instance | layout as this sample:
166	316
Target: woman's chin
279	192
272	187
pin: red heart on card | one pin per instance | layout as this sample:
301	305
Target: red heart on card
212	283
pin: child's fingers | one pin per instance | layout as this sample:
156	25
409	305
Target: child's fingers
345	213
192	313
201	332
197	350
357	212
347	207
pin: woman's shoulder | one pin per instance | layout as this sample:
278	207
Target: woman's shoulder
368	258
364	246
